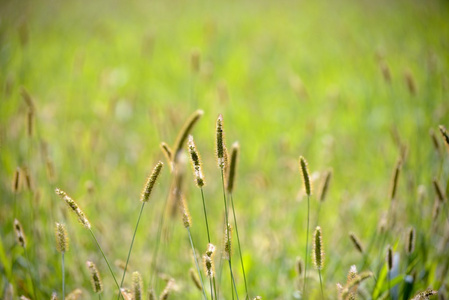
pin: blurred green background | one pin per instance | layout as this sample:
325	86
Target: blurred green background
351	85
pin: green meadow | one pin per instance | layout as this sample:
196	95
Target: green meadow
90	89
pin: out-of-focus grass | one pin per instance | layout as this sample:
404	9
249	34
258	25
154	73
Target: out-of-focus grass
111	80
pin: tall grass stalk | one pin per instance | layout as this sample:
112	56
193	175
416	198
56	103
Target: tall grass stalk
196	262
29	272
308	190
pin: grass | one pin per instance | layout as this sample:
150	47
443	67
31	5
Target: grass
110	82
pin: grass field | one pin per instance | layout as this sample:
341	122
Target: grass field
352	86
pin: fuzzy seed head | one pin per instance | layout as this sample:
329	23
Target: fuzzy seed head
167	151
54	296
74	207
233	167
151	181
95	278
220	144
137	286
445	135
196	162
410	244
356	242
210	251
227	242
195	279
351	274
27	177
62	238
299	266
390	258
439	191
347	290
318	252
425	295
20	235
183	134
186	219
167	290
395	179
325	187
16	181
305	175
74	295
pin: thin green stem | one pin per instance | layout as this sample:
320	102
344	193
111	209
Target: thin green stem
130	248
307	246
233	281
63	277
196	263
205	214
321	285
29	272
238	243
105	259
215	288
389	285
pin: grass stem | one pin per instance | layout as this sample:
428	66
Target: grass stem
196	263
307	246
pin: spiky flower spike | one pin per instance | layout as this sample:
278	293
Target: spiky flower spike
354	283
389	258
326	183
411	238
444	134
95	278
183	134
318	253
305	175
196	162
439	191
227	242
233	166
356	242
299	266
62	239
425	295
195	279
186	219
151	181
220	144
394	180
16	180
167	290
74	207
137	286
351	274
20	235
208	260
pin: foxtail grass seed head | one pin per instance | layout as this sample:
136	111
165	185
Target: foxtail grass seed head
356	242
74	295
27	177
16	181
390	258
62	238
434	138
74	207
425	295
210	251
299	266
167	152
195	58
325	187
54	296
410	242
30	122
209	266
167	290
186	219
95	278
126	294
195	279
184	133
20	235
220	144
196	162
318	252
354	283
305	175
351	274
151	181
137	286
227	251
152	294
395	179
445	135
439	191
233	167
410	81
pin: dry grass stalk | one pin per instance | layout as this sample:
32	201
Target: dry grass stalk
97	284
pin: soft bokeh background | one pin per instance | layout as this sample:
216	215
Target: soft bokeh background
351	85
